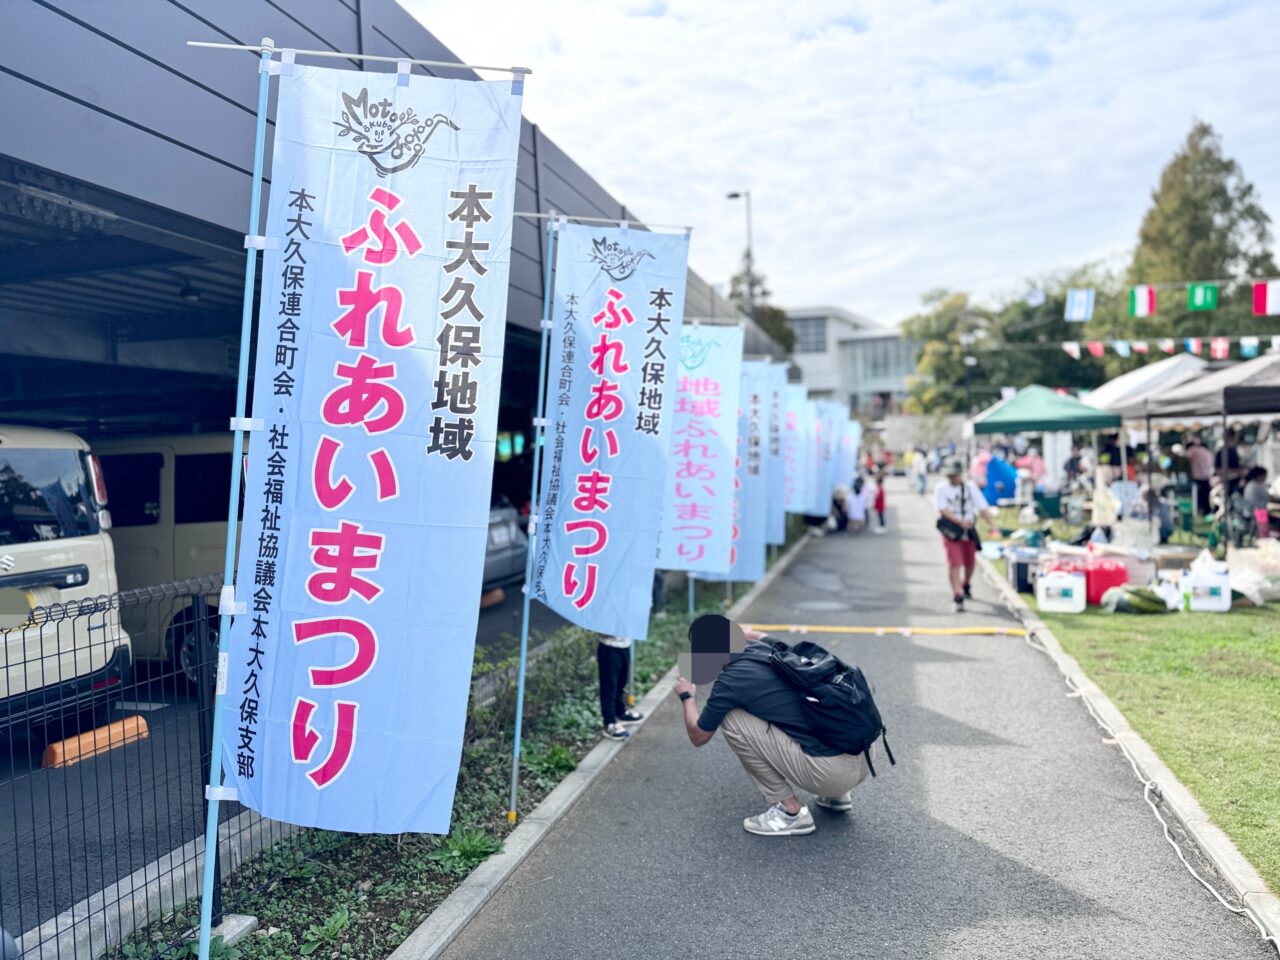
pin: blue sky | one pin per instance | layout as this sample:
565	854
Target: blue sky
890	147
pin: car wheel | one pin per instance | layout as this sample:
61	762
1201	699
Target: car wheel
183	650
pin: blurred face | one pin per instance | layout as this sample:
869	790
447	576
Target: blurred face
954	479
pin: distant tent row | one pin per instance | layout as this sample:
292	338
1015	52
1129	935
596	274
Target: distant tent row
1178	391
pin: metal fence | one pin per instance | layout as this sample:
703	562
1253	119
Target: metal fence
105	721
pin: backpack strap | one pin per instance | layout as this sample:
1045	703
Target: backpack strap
887	752
870	766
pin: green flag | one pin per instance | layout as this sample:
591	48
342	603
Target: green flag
1202	296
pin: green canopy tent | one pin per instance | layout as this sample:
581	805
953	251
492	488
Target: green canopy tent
1037	409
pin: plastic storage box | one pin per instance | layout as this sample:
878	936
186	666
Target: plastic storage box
1020	565
1061	592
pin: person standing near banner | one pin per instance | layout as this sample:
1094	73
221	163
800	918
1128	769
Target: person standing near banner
613	657
960	503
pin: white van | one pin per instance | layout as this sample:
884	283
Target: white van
65	652
169	523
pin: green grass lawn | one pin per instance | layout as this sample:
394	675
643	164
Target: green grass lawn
1204	690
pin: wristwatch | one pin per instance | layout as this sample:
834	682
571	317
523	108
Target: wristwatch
686	695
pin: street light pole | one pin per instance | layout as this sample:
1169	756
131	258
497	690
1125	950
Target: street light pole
751	262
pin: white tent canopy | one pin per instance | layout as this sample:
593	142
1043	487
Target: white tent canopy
1122	391
1202	397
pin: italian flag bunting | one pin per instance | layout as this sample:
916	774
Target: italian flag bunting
1266	299
1202	296
1142	300
1166	346
1220	348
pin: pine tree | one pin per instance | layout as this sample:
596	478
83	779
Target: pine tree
1205	223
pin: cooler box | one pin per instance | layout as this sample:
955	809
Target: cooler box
1206	591
1061	592
1101	575
1020	565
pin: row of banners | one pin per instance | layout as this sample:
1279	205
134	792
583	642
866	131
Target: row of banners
1144	299
378	367
1219	347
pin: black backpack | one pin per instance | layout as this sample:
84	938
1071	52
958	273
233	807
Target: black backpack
836	698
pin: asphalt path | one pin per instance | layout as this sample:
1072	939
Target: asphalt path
1008	828
67	833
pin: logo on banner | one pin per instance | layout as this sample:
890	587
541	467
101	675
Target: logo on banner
617	261
392	140
694	351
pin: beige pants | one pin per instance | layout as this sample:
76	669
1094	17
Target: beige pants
778	765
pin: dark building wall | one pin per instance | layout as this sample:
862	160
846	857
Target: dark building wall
107	92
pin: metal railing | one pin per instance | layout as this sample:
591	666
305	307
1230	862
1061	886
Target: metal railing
105	729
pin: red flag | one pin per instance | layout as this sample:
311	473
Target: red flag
1139	346
1096	348
1220	348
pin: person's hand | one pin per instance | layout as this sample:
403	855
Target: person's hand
752	634
684	686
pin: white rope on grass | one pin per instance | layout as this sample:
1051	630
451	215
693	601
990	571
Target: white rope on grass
1150	787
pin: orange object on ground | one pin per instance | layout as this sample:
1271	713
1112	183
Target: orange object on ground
90	744
491	598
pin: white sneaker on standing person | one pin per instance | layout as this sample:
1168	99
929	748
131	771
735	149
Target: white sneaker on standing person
959	501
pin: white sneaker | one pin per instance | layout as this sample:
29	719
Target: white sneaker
840	804
776	822
879	530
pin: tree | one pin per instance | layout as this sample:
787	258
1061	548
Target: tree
1013	344
1204	223
772	320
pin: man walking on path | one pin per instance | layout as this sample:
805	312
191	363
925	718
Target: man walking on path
766	727
960	503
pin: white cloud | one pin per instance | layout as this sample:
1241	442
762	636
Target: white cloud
890	147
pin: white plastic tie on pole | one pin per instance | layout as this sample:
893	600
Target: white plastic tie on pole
517	80
227	602
539	421
402	72
223	660
524	588
252	424
624	227
286	62
561	222
533	521
254	242
688	232
546	324
221	794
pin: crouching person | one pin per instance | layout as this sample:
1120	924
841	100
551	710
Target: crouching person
766	725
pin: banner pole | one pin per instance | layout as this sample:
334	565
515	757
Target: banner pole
539	431
266	49
690	578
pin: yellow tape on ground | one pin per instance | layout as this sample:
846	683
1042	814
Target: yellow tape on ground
889	631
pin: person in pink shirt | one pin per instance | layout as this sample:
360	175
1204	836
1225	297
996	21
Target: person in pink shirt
978	467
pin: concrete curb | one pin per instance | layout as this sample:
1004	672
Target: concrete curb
436	932
1240	876
99	922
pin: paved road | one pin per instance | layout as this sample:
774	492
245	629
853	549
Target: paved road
1007	829
67	833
